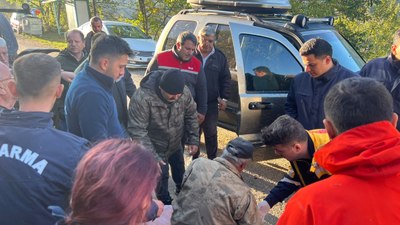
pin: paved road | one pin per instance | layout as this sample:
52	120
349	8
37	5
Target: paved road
261	175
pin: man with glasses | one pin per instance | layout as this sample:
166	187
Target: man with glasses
7	100
218	78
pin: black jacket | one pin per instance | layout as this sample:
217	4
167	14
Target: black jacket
217	74
387	71
122	89
68	63
305	100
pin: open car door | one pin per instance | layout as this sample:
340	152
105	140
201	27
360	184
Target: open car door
266	63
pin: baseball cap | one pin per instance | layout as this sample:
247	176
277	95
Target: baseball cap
240	148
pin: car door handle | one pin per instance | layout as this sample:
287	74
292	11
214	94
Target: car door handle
260	105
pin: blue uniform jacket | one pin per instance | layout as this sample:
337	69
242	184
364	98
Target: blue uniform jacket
37	163
305	100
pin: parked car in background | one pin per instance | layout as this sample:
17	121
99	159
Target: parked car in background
254	35
143	46
6	31
26	23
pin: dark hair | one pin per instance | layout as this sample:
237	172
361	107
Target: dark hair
114	184
186	36
284	130
74	31
34	72
316	46
109	46
95	19
357	101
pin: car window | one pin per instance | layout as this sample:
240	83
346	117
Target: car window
342	51
179	27
223	41
126	31
268	65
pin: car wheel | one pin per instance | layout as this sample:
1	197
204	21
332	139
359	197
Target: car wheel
7	33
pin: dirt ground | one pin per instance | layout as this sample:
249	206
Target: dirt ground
261	175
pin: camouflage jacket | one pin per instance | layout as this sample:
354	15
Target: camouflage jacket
160	125
213	192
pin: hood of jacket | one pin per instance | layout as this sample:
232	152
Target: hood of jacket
151	82
367	151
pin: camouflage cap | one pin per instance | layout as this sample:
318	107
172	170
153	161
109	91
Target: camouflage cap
240	148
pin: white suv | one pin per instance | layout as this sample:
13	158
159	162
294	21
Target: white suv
252	35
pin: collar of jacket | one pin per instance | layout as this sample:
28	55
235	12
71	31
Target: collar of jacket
67	53
229	166
394	62
368	151
27	119
175	51
198	54
310	146
331	73
106	81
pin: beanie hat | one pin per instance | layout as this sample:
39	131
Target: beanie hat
240	148
172	82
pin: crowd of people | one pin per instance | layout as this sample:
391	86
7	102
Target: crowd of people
68	139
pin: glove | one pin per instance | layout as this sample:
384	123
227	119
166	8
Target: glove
263	209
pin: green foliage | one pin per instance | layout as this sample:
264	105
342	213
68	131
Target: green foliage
153	15
48	13
368	25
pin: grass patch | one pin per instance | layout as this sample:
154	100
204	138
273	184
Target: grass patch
52	39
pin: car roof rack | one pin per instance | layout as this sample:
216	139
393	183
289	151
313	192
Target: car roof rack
299	20
250	6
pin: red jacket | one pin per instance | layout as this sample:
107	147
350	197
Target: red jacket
365	184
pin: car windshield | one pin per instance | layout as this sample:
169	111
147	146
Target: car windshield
126	31
343	52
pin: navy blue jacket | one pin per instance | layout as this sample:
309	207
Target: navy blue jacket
305	100
387	71
217	74
90	108
37	163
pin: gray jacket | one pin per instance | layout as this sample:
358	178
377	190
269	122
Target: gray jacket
158	124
